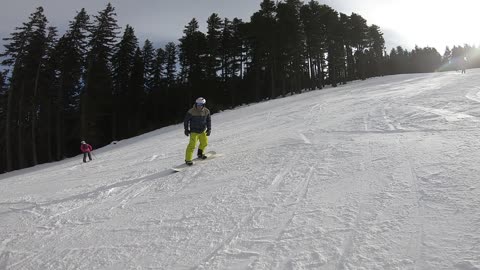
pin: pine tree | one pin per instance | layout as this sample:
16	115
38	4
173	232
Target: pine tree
376	46
96	101
359	38
458	55
14	55
399	59
47	85
225	49
446	58
346	26
424	60
238	47
149	62
291	43
37	52
153	104
193	47
170	64
3	82
334	45
3	108
135	95
159	71
122	61
314	25
214	39
263	50
228	62
237	65
71	50
25	53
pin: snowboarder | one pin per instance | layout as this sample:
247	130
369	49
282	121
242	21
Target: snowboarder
86	149
197	125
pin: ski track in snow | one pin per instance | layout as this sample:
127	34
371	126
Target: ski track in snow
375	174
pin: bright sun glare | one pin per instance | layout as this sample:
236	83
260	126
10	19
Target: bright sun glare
433	22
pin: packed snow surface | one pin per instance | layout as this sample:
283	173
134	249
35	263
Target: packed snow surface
375	174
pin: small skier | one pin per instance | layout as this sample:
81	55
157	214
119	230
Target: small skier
463	65
86	149
197	125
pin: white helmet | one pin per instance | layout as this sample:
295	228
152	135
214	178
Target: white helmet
200	101
83	142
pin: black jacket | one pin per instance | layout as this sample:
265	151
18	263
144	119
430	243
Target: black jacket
197	120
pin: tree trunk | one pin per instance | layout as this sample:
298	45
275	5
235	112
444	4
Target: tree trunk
20	119
311	72
115	110
350	64
49	132
114	126
241	66
59	123
84	102
320	72
8	129
257	84
272	80
232	87
83	115
34	118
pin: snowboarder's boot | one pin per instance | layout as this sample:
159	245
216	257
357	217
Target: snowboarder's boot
200	154
189	162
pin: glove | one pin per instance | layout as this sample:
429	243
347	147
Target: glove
187	132
208	132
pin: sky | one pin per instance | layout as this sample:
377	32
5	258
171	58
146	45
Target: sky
436	23
374	174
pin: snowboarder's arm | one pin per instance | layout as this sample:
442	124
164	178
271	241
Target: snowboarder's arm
186	121
209	122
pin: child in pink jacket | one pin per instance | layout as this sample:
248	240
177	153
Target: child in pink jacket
86	149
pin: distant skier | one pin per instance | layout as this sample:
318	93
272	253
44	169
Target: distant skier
463	65
197	125
86	149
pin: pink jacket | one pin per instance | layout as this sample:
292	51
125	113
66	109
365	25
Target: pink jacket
86	148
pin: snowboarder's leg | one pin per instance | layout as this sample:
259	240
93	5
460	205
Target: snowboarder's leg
203	144
89	156
191	146
84	157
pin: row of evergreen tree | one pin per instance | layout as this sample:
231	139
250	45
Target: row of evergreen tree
94	83
428	59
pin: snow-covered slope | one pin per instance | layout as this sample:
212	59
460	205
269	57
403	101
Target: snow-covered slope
378	174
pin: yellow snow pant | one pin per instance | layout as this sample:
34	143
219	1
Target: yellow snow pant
194	137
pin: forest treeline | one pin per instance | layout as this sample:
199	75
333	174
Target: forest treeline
96	82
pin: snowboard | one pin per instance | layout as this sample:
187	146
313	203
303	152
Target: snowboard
210	155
